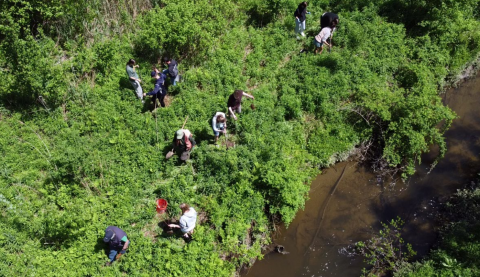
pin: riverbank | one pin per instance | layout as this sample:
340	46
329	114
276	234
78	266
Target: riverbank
470	70
364	199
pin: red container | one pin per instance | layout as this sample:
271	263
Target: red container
161	206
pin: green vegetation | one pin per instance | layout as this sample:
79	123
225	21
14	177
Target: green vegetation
458	252
86	154
386	251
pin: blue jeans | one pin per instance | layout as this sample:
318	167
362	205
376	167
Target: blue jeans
217	133
113	253
173	80
316	43
299	26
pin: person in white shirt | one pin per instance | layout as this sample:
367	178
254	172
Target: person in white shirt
219	124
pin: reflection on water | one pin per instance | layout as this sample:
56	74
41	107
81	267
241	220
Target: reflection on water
361	201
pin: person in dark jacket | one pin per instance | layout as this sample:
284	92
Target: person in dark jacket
328	19
300	16
117	241
331	21
159	91
234	102
172	70
183	143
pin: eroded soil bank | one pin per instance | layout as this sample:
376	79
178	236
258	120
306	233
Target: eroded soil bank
362	200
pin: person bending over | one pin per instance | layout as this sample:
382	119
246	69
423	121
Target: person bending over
187	221
321	39
159	91
331	20
234	103
219	125
183	143
117	241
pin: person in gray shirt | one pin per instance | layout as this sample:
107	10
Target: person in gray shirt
134	79
187	221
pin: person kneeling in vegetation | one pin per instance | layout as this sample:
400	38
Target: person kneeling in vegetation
187	221
159	91
133	78
219	125
117	242
235	102
172	70
321	39
183	143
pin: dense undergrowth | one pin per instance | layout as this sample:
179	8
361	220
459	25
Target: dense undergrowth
86	155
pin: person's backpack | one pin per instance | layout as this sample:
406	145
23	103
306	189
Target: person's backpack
174	72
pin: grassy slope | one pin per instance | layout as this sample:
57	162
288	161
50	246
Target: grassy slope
93	160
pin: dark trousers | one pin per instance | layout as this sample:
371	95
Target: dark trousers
160	97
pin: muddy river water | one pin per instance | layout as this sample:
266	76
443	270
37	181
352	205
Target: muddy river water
362	200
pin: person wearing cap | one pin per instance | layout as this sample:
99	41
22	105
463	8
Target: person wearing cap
172	70
134	79
117	241
187	222
183	143
219	125
159	91
234	102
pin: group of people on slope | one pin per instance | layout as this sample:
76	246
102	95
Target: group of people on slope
118	242
183	142
160	89
328	25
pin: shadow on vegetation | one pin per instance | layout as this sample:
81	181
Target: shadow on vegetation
123	82
101	246
172	90
23	103
327	61
406	77
167	231
410	14
205	134
257	18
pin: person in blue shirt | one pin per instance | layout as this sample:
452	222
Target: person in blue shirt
159	91
117	241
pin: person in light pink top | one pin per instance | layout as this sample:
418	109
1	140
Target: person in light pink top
321	39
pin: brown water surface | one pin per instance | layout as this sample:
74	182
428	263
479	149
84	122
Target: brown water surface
361	201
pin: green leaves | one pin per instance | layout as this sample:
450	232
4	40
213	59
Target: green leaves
89	157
